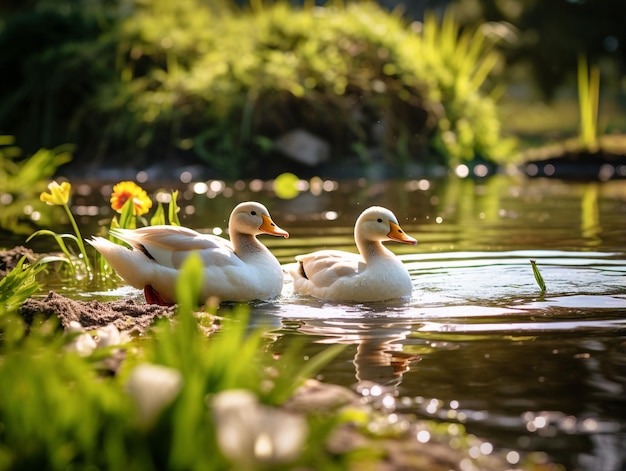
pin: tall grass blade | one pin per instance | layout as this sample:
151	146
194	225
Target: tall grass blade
159	216
59	240
538	276
172	210
127	218
588	102
17	285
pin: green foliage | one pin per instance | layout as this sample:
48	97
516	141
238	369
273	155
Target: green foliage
21	178
19	284
210	79
58	412
461	62
127	219
60	240
317	67
36	380
55	411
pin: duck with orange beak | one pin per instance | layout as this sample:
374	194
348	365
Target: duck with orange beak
241	269
375	274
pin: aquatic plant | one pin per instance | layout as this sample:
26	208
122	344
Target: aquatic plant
538	277
59	195
588	102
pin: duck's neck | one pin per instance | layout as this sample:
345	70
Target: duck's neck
246	245
372	250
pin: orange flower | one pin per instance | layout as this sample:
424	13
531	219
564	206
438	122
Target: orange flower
124	191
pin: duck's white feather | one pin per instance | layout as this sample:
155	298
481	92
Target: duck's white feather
375	274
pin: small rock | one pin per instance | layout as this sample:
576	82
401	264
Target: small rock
303	147
314	396
250	433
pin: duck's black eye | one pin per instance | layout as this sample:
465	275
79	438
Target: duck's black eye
253	213
379	220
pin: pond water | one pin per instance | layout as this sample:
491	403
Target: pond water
478	343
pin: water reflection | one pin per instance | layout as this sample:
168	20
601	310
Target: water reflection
547	375
379	356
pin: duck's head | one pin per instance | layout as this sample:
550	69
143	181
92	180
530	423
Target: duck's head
380	224
253	218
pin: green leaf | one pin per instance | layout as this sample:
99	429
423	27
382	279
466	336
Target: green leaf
189	283
538	276
159	216
18	284
60	242
127	218
172	210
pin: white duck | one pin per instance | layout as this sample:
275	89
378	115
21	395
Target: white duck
241	269
374	275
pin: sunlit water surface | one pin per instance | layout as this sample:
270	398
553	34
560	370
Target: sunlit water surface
478	342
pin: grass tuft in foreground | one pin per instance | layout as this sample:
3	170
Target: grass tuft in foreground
59	411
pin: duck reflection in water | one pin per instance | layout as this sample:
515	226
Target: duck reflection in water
379	356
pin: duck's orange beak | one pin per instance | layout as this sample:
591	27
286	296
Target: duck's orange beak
396	233
268	227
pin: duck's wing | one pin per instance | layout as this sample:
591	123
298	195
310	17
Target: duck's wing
170	245
325	267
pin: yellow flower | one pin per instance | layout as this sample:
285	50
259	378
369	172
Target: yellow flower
59	194
124	191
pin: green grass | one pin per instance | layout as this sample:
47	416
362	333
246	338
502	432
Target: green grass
58	411
18	285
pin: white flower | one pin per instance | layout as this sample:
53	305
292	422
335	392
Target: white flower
249	432
153	387
82	343
110	336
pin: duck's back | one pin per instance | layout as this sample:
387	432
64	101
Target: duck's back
344	276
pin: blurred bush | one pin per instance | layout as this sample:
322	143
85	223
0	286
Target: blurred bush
150	79
551	36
